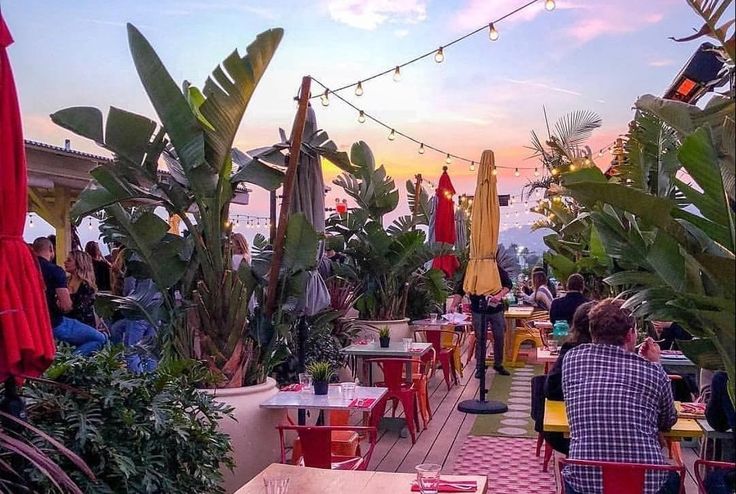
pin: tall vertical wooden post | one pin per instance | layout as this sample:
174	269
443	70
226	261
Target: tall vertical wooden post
288	188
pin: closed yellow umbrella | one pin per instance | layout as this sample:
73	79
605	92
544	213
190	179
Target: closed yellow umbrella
481	275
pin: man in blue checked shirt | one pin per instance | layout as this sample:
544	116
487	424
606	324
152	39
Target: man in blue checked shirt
617	402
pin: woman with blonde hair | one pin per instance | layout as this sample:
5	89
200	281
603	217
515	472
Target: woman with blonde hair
241	251
82	287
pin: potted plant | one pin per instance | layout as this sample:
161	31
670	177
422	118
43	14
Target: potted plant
384	336
212	322
321	375
382	263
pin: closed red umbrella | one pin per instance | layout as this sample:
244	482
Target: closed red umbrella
444	224
26	342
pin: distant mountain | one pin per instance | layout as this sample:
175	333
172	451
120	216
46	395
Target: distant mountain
523	236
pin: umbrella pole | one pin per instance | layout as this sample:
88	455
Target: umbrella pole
288	189
301	351
482	406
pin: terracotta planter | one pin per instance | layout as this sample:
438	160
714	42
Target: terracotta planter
253	435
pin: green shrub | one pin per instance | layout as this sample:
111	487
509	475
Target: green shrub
142	433
321	371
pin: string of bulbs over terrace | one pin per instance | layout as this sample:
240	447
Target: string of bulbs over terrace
439	57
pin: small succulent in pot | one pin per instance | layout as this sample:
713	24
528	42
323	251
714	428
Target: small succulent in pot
384	336
321	375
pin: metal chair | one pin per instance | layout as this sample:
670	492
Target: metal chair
317	446
527	332
701	467
620	478
420	374
399	391
444	354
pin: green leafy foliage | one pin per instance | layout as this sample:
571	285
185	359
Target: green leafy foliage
144	433
321	371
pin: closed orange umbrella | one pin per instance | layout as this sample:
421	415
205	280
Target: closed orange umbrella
481	276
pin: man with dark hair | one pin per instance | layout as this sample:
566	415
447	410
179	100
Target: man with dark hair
563	308
617	402
85	338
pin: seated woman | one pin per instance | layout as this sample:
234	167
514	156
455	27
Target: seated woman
82	287
579	334
719	412
541	297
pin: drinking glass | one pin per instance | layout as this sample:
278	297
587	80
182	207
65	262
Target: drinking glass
428	477
348	390
552	345
276	485
407	343
433	317
305	379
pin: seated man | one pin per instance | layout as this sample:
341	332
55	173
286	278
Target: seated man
617	402
563	308
85	338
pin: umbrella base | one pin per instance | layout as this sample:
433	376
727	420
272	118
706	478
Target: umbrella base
479	407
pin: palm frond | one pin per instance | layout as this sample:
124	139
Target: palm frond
575	127
712	11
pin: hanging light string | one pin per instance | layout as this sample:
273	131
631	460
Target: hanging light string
249	221
423	146
438	53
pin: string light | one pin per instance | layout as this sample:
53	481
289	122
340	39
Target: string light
326	98
555	171
448	160
492	33
89	224
572	167
361	117
536	172
472	166
494	171
359	89
392	135
549	5
439	57
30	221
421	148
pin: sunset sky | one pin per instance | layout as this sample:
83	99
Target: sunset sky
587	54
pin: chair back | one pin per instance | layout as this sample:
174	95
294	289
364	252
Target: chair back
703	466
436	337
393	370
620	477
316	443
537	412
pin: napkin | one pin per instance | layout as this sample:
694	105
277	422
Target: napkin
292	387
361	403
455	317
451	486
691	410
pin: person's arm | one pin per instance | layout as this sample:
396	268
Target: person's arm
554	311
544	297
667	414
506	286
63	299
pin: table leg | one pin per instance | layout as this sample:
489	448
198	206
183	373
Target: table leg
509	339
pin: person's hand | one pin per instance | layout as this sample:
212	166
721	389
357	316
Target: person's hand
456	299
650	350
494	299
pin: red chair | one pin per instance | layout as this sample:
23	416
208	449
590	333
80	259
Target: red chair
421	372
445	355
624	478
317	446
398	391
702	466
345	443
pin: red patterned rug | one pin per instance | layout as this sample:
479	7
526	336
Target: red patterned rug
509	463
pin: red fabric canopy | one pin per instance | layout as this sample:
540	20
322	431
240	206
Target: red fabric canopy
444	224
26	342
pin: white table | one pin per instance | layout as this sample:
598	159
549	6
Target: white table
395	350
305	480
333	400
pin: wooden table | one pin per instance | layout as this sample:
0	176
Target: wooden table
555	420
545	356
304	480
333	400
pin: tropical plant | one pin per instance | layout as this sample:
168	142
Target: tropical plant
675	258
194	142
382	263
320	371
153	432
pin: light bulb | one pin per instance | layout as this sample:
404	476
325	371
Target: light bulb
492	33
549	5
361	117
600	153
494	171
572	167
421	148
516	172
325	98
472	166
30	222
392	135
359	89
89	224
554	171
587	161
439	57
448	160
397	74
536	172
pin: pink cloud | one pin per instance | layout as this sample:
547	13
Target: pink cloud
369	14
